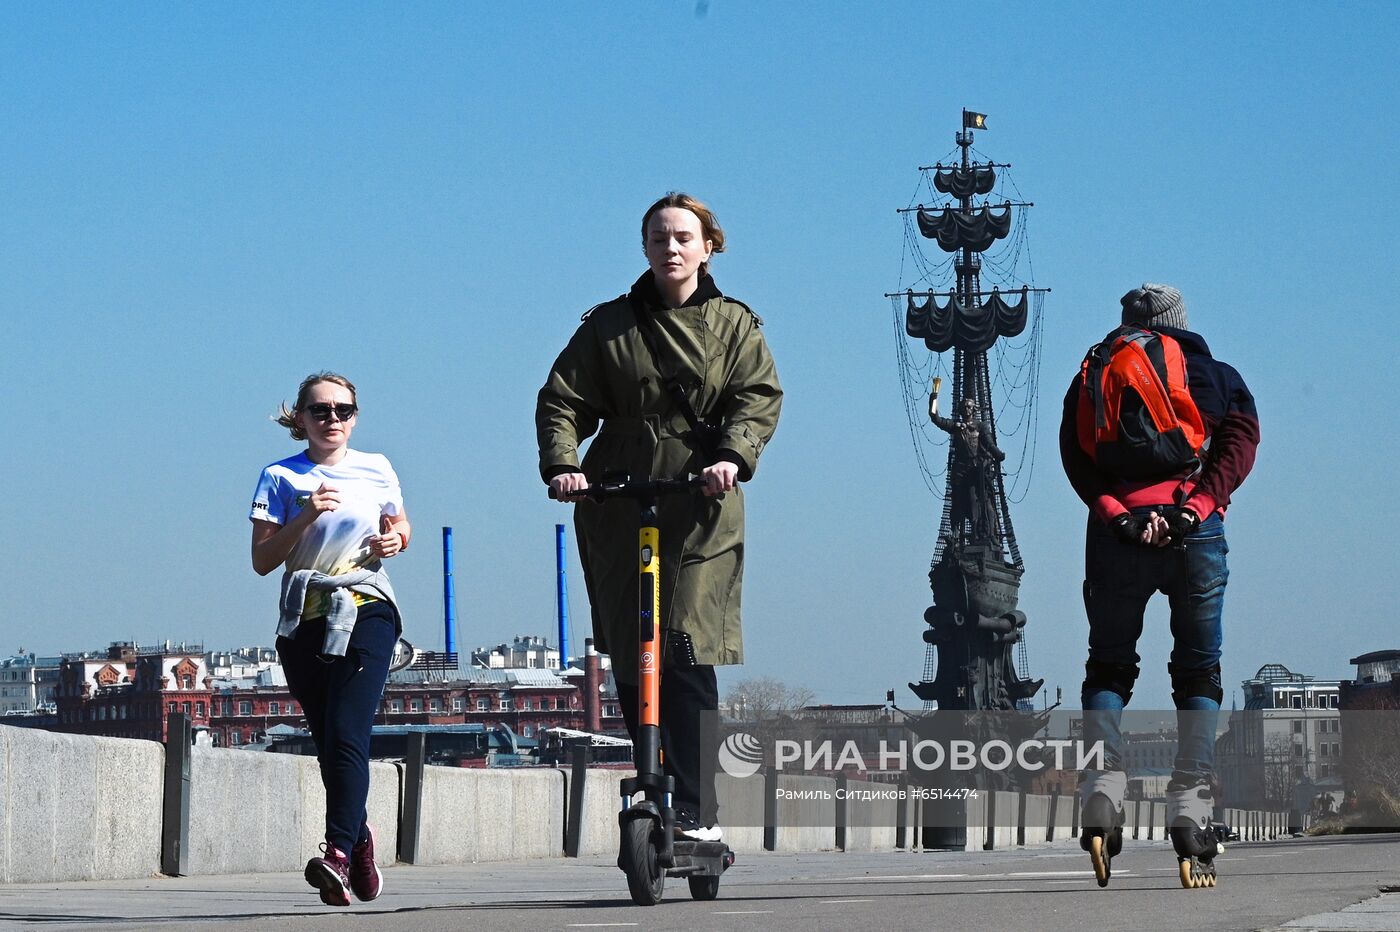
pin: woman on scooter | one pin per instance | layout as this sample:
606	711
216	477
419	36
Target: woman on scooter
676	379
329	516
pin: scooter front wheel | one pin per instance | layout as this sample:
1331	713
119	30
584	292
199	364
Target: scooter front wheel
645	878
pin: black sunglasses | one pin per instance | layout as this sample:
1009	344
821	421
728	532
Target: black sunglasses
322	412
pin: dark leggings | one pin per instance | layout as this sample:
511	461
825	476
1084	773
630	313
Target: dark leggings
685	693
339	697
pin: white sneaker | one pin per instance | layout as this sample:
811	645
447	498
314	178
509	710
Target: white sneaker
702	833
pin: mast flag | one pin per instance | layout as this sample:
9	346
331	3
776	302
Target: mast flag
973	120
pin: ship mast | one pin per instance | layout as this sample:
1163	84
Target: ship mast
967	267
974	627
974	624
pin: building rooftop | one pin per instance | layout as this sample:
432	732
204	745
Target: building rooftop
1277	671
467	728
480	676
1376	656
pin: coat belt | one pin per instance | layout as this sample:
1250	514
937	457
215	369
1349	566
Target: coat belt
659	425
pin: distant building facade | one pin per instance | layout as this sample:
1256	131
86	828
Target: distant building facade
1371	763
1377	683
1289	733
525	652
28	683
234	698
130	691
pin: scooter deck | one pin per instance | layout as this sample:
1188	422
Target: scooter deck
700	859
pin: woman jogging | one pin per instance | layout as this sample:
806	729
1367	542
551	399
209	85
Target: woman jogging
329	515
677	380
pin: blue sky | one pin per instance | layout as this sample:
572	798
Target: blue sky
202	204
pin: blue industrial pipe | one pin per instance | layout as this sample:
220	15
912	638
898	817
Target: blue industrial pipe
563	597
449	599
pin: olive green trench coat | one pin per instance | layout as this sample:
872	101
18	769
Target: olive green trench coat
605	380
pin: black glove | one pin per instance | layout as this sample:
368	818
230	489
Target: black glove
1180	523
1130	527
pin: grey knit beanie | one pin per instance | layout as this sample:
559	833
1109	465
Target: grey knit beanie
1154	305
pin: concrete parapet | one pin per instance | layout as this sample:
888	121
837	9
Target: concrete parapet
979	835
806	814
741	810
1131	823
246	813
871	810
254	811
382	808
87	808
77	807
602	800
491	815
1003	810
1062	822
906	820
1037	820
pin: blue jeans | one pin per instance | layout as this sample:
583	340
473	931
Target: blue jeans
1120	578
340	697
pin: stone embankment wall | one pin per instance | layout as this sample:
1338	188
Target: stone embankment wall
84	808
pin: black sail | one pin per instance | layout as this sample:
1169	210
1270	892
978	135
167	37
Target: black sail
955	325
965	182
1010	318
975	230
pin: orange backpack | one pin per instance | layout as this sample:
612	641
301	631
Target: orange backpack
1136	418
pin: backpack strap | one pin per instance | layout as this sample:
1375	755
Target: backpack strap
1095	364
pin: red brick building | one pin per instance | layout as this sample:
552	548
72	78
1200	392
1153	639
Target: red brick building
241	715
131	691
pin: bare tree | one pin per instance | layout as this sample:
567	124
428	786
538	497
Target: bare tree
759	697
1372	765
1278	775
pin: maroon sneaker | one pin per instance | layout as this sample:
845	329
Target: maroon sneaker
365	878
330	875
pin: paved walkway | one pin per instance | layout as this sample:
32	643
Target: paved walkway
1312	884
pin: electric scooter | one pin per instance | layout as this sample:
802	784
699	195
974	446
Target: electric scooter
649	851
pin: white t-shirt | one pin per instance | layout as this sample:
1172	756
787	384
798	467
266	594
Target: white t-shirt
338	541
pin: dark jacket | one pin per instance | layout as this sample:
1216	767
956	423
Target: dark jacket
1232	429
606	378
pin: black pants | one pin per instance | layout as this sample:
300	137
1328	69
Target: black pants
340	696
685	693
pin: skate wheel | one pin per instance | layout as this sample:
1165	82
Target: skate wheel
1188	877
1098	856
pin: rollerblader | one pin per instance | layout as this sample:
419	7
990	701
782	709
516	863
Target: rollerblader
1156	435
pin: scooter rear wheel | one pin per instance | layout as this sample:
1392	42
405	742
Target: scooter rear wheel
645	878
704	888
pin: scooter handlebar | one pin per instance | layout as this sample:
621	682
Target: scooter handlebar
633	488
